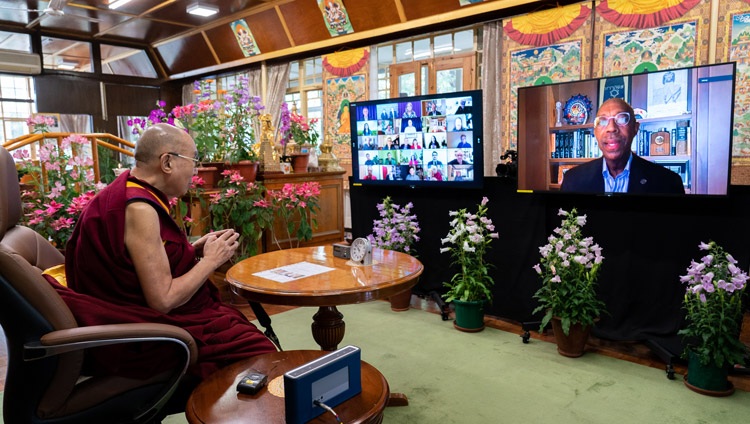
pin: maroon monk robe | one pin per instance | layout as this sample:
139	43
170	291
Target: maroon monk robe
104	287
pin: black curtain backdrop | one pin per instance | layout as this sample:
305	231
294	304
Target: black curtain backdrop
647	242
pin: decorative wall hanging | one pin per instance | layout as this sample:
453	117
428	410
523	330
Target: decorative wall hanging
345	82
344	64
548	26
523	66
244	38
736	36
648	50
681	42
335	16
643	13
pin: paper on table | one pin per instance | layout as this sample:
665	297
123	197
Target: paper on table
293	272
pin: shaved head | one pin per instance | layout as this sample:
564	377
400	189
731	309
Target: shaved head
160	138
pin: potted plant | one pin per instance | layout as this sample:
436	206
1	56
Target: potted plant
242	206
296	130
569	267
713	300
397	229
182	209
295	205
469	238
62	184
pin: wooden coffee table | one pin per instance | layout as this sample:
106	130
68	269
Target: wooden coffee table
391	273
217	401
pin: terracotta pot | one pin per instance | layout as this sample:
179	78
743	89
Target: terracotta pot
209	175
574	344
400	302
299	162
246	168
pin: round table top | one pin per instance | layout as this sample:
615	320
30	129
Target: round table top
216	399
391	273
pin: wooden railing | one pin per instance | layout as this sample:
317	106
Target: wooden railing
105	140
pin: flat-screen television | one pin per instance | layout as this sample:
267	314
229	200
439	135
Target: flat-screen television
422	141
685	117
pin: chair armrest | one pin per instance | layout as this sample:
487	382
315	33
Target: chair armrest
81	338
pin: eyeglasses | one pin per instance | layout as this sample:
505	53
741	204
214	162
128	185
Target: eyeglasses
621	119
196	162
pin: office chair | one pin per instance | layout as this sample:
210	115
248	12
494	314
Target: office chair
47	381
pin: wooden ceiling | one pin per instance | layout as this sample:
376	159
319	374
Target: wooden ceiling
184	45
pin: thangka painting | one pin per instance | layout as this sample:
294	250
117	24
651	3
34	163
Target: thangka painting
537	66
336	17
651	49
244	38
338	93
739	52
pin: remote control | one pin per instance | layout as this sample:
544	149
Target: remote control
252	383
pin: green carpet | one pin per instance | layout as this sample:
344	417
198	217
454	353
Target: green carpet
492	377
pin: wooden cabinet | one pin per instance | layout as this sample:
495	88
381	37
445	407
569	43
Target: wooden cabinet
693	144
330	217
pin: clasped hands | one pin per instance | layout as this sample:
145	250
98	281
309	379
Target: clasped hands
217	246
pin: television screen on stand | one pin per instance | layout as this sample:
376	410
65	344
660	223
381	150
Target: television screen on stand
421	141
684	124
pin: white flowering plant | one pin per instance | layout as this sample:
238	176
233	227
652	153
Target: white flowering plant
713	301
469	238
397	229
569	267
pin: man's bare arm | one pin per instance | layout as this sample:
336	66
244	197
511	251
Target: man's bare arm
142	239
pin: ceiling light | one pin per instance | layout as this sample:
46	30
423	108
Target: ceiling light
202	9
68	66
118	3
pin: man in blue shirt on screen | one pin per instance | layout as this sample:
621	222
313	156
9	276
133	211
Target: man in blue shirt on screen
619	170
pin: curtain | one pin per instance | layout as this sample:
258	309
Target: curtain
278	77
491	62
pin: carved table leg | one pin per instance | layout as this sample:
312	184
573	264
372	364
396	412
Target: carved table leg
328	327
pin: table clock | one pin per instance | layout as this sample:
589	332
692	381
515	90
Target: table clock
361	251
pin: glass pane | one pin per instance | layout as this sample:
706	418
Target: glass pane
66	55
385	55
293	75
403	52
443	45
292	99
464	41
313	70
14	129
315	110
424	71
450	80
126	61
406	85
422	49
15	41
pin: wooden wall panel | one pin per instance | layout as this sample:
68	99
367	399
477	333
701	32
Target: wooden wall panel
225	44
67	95
416	9
186	54
268	31
368	14
305	21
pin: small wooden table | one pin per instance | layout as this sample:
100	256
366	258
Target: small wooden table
217	401
391	273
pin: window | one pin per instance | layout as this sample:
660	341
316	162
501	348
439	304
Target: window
305	90
118	60
67	55
16	104
439	63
